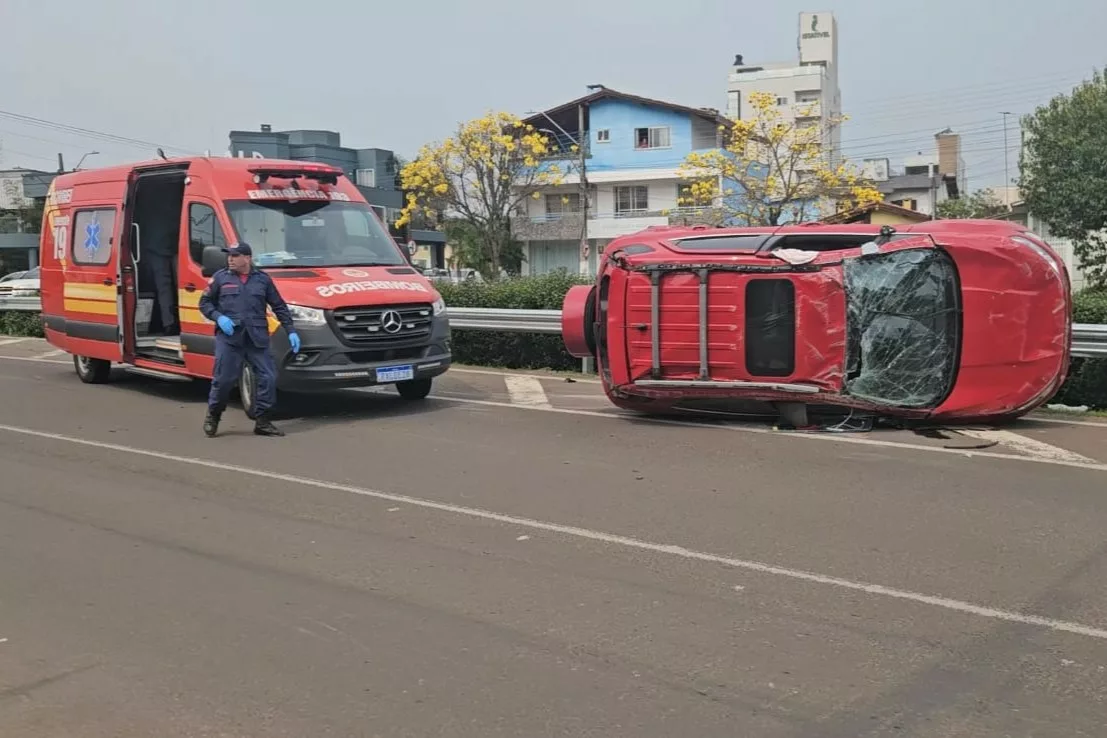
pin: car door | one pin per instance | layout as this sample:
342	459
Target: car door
92	296
202	226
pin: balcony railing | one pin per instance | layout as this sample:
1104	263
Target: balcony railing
565	226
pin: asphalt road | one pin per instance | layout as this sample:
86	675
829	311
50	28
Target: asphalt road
512	558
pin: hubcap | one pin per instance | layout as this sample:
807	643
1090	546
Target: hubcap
83	364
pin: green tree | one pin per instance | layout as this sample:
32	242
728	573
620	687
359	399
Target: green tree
1064	171
980	204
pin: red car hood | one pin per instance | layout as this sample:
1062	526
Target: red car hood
334	287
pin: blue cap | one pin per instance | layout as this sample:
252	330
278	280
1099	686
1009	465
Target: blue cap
239	249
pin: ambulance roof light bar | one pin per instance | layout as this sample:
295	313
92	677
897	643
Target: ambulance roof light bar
319	172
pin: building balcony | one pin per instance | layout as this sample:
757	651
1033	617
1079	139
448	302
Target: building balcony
808	109
548	227
567	226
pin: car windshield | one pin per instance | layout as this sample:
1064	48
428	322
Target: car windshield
902	319
313	233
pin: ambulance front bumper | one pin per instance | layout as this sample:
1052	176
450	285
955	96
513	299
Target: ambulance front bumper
327	361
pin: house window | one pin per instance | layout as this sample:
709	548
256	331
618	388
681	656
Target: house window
685	196
652	138
782	101
631	200
366	177
603	135
563	203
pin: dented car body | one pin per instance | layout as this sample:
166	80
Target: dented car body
943	320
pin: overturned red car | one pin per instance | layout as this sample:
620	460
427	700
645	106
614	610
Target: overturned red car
944	321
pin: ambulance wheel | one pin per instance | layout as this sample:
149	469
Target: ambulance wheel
247	388
92	371
414	389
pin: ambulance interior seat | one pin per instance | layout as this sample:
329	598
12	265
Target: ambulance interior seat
158	205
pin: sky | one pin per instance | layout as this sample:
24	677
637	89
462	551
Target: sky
121	77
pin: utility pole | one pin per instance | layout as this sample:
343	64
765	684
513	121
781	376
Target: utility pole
1006	169
582	141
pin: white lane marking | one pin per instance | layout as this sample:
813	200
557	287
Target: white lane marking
33	358
526	391
828	438
595	535
1059	421
509	373
1023	444
10	341
48	354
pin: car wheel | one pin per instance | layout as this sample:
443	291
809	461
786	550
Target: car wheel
414	389
92	371
248	388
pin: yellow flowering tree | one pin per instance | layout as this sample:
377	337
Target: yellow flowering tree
480	175
770	170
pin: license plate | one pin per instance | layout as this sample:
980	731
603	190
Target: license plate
395	373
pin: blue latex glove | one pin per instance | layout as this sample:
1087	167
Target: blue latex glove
294	339
225	324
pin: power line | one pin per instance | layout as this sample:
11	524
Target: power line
88	132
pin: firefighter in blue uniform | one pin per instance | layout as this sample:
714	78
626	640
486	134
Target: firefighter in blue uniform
236	300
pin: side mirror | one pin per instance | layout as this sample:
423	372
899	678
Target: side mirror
212	260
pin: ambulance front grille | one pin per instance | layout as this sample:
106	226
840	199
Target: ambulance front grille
370	325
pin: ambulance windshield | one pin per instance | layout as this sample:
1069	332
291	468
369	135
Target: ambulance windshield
313	233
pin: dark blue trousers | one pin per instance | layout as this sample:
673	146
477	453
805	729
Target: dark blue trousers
164	269
228	364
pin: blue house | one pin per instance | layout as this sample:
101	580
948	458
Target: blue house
634	147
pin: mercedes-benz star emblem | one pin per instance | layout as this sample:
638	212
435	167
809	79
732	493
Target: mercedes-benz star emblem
391	321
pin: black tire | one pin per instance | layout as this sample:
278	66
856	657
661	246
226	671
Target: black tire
414	389
92	371
247	388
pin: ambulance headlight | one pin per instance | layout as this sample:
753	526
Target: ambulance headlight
307	316
439	306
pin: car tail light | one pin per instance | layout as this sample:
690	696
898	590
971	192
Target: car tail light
1043	251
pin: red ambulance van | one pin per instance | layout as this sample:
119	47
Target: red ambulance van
364	315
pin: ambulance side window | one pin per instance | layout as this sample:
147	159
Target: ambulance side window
93	232
203	231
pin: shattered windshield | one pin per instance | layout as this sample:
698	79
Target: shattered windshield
313	233
903	327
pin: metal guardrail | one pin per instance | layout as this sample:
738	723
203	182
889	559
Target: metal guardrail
1089	341
28	304
508	321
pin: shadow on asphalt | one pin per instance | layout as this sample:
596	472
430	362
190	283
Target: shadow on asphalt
309	410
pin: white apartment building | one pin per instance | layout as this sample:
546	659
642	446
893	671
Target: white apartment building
926	180
806	90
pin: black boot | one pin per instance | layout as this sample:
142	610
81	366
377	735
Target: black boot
211	423
265	427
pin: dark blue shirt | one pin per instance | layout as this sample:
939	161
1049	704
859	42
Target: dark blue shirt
244	303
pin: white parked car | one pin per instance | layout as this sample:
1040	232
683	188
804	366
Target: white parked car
25	284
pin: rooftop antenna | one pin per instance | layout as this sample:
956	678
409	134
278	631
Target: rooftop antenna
162	154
